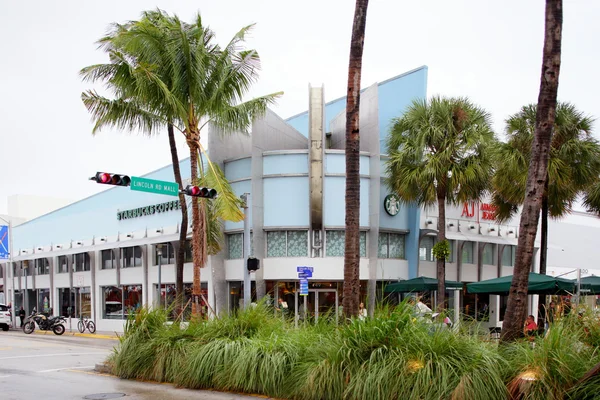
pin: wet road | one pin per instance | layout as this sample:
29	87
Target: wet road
61	367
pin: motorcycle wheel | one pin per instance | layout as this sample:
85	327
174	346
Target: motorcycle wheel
29	327
80	326
92	327
58	329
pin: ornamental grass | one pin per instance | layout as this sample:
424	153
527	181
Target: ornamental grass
390	356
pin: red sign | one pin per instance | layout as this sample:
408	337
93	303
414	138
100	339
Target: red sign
485	210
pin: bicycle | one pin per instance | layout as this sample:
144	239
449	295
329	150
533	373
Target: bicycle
84	324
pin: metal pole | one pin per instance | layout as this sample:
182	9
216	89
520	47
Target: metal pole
26	293
159	252
578	285
247	285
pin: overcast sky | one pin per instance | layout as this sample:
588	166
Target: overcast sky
488	51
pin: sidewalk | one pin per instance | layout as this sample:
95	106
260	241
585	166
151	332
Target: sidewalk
97	335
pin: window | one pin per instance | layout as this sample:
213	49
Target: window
188	255
168	254
391	245
336	242
235	245
118	302
43	300
488	254
287	244
131	257
508	256
451	244
425	253
108	259
42	267
2	266
62	265
467	253
81	262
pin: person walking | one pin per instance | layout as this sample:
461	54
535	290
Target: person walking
22	315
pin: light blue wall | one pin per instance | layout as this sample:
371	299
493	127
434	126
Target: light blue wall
332	109
97	215
395	95
238	169
336	164
285	164
240	188
334	204
286	201
386	221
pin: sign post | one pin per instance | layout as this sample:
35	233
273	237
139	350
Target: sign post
154	186
303	274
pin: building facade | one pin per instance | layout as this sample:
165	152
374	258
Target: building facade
100	257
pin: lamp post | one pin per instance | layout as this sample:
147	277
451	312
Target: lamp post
10	266
159	252
247	285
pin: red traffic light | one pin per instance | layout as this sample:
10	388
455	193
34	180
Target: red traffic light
106	178
197	191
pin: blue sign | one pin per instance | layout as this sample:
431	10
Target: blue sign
4	253
303	287
304	272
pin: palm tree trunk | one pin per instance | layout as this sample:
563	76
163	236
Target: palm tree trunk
538	169
179	259
197	224
352	242
543	255
441	263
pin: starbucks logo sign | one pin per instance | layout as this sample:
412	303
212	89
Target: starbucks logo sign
391	203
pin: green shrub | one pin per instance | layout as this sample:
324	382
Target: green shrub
392	355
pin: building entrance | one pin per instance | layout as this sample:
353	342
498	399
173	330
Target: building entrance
319	303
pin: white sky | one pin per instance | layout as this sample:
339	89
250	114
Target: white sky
488	51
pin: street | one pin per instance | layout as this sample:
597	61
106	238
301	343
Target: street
62	367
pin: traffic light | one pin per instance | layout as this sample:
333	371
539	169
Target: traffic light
197	191
253	264
106	178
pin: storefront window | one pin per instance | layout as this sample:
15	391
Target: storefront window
108	259
236	294
168	296
81	262
66	302
118	302
451	244
335	243
131	257
425	253
43	300
63	266
391	245
467	253
488	254
508	256
168	254
42	266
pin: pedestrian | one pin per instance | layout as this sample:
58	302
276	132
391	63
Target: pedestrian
530	328
362	311
22	315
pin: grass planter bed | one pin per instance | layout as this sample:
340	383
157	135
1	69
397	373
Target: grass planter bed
390	356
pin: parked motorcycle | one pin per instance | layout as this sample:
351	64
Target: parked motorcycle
54	324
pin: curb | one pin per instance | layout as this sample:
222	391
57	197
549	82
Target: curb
87	335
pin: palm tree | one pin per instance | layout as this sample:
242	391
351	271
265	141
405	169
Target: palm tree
352	242
120	79
439	153
573	166
188	81
537	173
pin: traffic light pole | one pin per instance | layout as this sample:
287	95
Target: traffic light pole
247	284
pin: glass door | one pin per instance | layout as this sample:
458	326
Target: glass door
319	303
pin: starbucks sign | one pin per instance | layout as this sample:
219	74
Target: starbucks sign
391	203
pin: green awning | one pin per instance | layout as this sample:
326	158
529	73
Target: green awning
421	284
589	285
538	284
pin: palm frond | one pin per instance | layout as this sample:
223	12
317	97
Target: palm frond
228	204
121	114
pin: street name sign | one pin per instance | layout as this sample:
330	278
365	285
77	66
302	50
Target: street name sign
154	186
